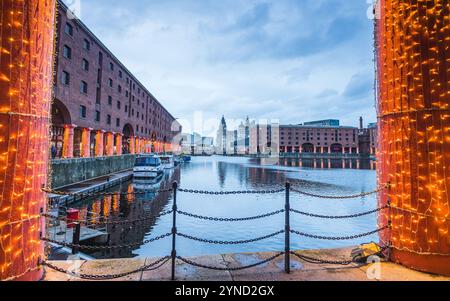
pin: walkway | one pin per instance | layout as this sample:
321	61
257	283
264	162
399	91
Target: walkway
272	271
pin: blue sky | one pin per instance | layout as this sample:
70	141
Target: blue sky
291	60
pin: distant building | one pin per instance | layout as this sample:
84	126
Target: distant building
319	137
233	142
195	144
326	122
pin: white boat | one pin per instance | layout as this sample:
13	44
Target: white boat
167	161
148	167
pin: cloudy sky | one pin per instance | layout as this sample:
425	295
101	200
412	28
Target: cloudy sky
291	60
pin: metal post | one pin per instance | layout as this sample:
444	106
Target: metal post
76	238
174	227
287	234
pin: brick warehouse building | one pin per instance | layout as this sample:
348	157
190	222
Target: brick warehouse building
100	108
319	138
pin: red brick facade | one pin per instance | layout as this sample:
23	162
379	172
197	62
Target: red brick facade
95	92
315	139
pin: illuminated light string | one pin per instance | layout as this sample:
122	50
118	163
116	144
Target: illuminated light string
414	120
25	93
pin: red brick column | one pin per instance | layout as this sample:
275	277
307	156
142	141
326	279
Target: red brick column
414	129
86	142
99	143
26	61
119	144
110	144
68	140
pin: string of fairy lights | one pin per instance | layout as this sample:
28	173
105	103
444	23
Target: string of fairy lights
25	87
414	115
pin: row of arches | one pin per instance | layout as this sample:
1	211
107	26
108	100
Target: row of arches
335	148
69	140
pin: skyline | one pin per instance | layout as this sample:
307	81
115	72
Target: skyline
222	69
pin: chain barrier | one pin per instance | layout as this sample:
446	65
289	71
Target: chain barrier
238	242
232	219
339	216
113	223
96	194
193	191
339	237
193	263
85	247
150	267
337	197
174	233
315	260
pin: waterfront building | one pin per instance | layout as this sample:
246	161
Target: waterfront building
233	142
195	144
100	108
319	138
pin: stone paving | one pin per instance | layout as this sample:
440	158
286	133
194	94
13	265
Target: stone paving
272	271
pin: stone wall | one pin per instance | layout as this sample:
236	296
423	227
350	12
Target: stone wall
70	171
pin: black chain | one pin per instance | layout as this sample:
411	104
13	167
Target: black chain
84	247
150	267
219	242
339	216
220	219
326	261
193	191
108	222
321	261
96	194
338	237
336	197
185	260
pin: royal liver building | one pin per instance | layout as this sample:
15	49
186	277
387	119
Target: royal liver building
233	142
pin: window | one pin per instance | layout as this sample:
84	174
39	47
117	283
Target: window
86	45
82	111
137	115
118	105
111	66
119	88
108	119
85	65
120	73
68	29
126	93
97	116
111	83
126	109
100	58
117	122
98	96
65	78
110	100
84	87
67	52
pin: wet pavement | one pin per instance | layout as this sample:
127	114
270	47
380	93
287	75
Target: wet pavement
272	271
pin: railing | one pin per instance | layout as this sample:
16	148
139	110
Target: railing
287	231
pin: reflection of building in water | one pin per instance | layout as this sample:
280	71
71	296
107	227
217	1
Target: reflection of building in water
120	208
329	163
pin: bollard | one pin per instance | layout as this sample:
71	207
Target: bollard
287	234
174	227
76	238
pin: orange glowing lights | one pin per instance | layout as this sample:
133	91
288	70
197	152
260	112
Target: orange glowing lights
413	70
25	72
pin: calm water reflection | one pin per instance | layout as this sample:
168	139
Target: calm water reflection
224	173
